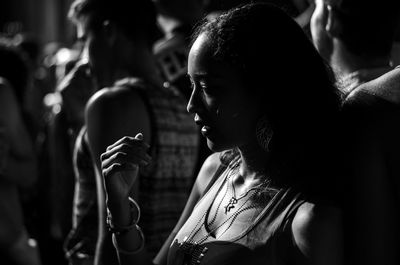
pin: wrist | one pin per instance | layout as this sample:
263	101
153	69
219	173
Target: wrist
119	212
117	204
123	220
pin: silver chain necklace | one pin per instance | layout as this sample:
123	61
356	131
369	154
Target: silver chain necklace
193	250
234	200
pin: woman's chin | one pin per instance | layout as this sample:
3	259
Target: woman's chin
215	146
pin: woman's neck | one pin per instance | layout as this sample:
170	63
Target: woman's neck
254	162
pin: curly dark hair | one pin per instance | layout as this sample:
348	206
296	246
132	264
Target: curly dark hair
285	74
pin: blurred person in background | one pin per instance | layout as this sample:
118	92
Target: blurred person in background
357	47
176	20
64	123
373	197
75	89
305	9
356	37
119	36
38	89
19	159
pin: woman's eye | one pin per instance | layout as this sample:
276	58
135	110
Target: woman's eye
205	87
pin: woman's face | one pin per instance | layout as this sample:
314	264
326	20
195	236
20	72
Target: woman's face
96	49
222	108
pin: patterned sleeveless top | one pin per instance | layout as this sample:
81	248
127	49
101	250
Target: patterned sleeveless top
165	184
266	240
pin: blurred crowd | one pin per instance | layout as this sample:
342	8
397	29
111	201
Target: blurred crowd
84	127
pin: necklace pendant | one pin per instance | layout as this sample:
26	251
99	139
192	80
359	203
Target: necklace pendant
230	205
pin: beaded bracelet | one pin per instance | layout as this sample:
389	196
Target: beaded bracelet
121	230
129	252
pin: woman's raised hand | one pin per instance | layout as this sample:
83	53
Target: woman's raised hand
120	167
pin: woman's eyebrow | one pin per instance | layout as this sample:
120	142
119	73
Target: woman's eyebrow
206	76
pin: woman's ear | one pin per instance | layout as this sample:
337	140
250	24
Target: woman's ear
333	25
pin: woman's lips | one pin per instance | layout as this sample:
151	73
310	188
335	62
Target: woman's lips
206	130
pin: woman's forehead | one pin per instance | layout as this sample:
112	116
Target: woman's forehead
201	46
200	57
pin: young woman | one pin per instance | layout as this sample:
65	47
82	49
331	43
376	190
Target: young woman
261	198
118	38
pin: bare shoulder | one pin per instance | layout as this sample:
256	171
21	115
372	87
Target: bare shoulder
113	113
317	232
207	171
386	86
115	99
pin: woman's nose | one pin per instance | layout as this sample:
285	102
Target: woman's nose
193	102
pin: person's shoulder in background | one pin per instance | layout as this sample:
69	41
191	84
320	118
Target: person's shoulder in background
385	87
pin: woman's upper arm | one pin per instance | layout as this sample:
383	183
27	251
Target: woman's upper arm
113	113
205	175
317	232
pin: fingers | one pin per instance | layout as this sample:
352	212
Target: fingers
141	159
139	136
117	167
137	148
138	139
126	153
